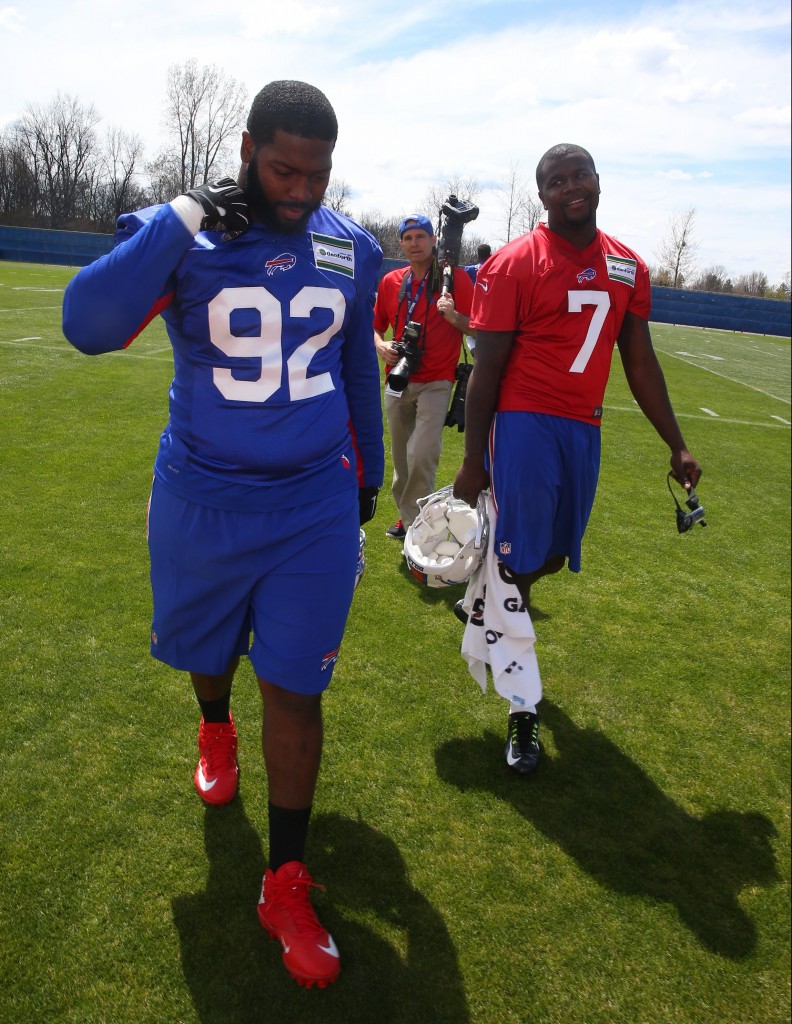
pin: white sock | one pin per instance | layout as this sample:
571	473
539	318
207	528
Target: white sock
516	708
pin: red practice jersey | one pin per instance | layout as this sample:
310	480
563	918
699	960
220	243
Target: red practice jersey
441	341
566	307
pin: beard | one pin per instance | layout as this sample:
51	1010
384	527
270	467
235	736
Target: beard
268	212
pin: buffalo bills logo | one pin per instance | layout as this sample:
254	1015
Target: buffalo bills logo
330	658
586	275
345	462
283	262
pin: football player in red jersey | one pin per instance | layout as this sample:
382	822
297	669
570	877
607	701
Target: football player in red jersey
548	309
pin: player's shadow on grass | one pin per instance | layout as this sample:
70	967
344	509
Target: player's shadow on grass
607	813
398	965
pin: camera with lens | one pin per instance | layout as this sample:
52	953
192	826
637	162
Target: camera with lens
454	216
410	356
687	520
456	411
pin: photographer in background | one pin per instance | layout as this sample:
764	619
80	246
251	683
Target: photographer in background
416	409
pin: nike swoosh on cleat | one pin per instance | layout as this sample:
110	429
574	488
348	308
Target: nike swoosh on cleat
331	949
510	758
203	782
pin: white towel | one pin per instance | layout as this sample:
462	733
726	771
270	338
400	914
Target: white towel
499	631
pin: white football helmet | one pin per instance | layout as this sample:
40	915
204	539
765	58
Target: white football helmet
447	541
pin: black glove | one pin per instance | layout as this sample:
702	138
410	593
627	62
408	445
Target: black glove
224	204
367	502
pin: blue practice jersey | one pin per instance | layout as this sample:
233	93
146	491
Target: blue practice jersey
275	400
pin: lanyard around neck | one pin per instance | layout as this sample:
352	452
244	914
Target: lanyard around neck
412	300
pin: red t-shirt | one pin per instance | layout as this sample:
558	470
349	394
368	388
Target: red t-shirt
566	307
441	341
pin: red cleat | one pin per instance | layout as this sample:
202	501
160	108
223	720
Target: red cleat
309	953
217	772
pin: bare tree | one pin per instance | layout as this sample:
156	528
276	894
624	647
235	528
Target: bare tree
17	185
59	145
165	177
530	215
337	196
385	230
713	279
117	188
755	283
521	211
204	110
677	251
659	276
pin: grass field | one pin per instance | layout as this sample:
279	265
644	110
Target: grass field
640	877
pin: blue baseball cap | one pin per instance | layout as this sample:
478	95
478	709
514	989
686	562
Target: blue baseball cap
418	222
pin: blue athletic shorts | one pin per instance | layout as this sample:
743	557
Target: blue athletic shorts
287	577
544	473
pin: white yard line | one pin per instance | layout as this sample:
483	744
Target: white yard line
65	347
27	309
695	416
734	380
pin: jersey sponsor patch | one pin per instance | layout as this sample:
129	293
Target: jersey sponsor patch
621	269
335	254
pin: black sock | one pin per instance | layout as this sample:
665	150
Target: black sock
216	710
288	831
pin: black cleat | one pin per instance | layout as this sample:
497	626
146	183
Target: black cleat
397	531
522	745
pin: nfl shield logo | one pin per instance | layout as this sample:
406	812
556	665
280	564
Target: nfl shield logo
505	547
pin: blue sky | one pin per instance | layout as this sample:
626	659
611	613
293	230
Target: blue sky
681	104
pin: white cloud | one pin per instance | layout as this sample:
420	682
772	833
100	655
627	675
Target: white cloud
287	17
771	122
10	19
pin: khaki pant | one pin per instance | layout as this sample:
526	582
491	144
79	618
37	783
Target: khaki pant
415	420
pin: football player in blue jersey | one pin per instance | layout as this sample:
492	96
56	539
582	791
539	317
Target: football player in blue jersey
271	459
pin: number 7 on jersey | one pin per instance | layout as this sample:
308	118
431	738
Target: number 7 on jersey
601	302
